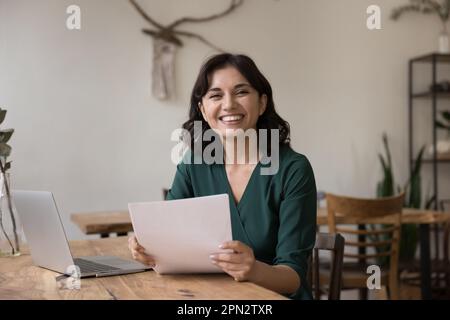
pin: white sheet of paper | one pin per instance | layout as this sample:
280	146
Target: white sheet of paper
181	234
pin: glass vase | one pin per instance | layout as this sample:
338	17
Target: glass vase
11	233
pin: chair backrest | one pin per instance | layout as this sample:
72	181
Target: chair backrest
382	217
335	244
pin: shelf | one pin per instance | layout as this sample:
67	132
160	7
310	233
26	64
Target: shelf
443	95
445	159
431	96
442	58
438	160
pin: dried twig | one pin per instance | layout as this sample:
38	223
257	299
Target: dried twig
199	37
233	5
145	15
169	33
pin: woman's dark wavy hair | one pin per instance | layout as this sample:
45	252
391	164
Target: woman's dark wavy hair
245	65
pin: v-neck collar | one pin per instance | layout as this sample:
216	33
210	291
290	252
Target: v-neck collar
244	196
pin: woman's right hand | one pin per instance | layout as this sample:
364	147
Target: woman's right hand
138	252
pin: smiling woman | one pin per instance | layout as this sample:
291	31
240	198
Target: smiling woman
273	217
234	83
231	102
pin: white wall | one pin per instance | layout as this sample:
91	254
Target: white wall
88	129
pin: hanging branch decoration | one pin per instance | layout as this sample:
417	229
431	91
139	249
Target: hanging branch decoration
166	40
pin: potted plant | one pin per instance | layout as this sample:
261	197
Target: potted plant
9	235
439	8
413	199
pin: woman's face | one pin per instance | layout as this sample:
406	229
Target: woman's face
231	103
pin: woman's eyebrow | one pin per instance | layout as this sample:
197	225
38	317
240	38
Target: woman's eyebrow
214	89
238	86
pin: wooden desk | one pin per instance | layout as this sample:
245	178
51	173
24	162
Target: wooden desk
19	279
119	221
103	223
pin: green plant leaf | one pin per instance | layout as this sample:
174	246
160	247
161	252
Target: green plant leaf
408	242
409	233
389	187
446	114
380	189
2	115
383	162
388	152
5	135
5	150
418	162
415	193
398	12
422	6
440	125
385	188
415	188
389	174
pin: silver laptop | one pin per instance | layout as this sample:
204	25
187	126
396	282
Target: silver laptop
48	244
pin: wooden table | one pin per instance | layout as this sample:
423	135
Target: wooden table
104	223
19	279
409	216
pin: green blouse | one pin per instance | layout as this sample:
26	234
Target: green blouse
276	215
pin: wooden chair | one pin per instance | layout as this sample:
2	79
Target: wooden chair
384	239
335	244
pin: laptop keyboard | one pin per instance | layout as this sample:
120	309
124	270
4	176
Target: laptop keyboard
87	266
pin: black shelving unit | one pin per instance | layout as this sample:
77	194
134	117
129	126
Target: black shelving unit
434	60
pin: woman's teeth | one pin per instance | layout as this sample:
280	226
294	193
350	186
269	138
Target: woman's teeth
231	118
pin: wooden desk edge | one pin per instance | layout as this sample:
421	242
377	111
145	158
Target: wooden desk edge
21	280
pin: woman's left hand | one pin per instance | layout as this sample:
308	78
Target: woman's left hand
239	264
